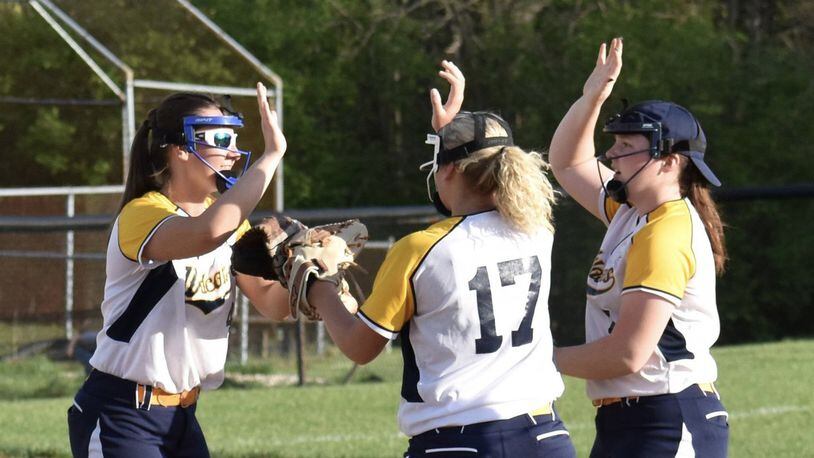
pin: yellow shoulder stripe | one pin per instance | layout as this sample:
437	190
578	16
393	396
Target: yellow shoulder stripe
611	207
139	218
661	256
392	302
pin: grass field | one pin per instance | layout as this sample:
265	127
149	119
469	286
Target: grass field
766	388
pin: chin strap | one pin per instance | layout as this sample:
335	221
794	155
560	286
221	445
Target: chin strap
615	189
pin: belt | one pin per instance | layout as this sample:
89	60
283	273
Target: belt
150	396
109	386
519	421
708	387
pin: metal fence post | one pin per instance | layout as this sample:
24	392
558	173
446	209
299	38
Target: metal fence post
244	329
320	338
69	251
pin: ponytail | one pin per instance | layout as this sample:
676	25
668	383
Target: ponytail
522	193
515	179
694	186
148	170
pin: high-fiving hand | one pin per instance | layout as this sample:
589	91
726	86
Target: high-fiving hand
608	66
272	134
443	114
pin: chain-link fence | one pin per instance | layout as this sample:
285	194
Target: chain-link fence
52	255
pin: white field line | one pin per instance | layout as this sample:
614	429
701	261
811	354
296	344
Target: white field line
767	411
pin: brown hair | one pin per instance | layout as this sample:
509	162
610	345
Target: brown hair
694	186
149	169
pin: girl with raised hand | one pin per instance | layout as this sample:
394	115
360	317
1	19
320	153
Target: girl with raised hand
651	313
169	291
468	297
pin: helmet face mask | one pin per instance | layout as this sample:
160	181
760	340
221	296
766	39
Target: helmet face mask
432	167
223	138
640	123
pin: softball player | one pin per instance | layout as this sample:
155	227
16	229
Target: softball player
651	315
469	298
169	292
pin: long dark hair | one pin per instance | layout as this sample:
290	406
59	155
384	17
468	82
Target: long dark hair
149	168
695	187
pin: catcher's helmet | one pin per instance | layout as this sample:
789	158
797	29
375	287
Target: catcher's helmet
671	128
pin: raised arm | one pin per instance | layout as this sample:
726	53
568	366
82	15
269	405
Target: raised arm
443	114
572	151
180	238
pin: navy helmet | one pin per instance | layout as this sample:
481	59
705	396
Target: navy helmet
670	128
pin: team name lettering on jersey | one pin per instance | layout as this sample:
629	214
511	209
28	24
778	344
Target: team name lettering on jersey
603	279
206	290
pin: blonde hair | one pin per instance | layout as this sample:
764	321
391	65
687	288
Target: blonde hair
515	178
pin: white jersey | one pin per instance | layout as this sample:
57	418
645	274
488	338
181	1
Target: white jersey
469	298
666	253
166	324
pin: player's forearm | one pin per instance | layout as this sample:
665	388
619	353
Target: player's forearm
268	297
573	141
352	336
234	206
605	358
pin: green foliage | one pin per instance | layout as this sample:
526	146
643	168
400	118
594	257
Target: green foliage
357	75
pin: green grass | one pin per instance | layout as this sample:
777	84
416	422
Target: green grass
15	335
766	388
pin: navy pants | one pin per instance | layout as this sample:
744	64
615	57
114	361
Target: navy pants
690	423
105	421
521	436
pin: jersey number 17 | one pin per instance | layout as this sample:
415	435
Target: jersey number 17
489	341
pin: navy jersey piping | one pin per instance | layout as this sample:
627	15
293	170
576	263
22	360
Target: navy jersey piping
149	293
371	320
628	288
410	374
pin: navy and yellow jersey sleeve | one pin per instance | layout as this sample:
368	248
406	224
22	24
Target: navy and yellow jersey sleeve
139	219
660	259
607	207
392	302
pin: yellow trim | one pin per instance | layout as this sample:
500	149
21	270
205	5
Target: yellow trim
242	229
544	410
661	256
611	207
139	218
392	302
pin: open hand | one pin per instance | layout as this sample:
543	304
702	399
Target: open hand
444	114
608	66
272	134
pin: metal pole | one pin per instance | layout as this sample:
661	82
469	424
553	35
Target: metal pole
129	120
194	87
69	251
220	33
87	36
77	49
279	197
320	337
244	330
300	350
